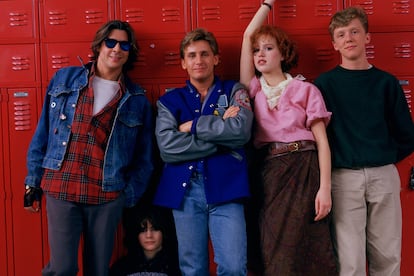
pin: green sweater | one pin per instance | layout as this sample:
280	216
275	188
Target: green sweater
371	123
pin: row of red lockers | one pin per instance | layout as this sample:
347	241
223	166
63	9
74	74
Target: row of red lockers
38	37
54	20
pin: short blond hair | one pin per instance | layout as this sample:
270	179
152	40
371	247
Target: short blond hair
344	17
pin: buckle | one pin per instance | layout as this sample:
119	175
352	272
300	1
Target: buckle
295	146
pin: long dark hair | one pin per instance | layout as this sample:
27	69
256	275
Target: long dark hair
138	222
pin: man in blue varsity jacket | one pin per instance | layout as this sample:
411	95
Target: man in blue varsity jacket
201	129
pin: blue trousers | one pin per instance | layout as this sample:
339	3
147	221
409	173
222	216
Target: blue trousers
67	222
227	228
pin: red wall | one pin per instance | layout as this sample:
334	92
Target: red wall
37	37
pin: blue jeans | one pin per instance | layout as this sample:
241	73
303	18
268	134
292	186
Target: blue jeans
226	225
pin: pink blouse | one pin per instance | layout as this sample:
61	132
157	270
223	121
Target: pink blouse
300	104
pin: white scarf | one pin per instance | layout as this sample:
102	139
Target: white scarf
273	93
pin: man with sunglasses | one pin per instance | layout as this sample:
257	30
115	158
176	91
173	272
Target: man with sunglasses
91	153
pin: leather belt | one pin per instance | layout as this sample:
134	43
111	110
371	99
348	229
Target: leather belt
279	148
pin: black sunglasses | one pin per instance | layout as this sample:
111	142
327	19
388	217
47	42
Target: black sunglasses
111	43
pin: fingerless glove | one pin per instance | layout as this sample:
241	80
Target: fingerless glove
31	195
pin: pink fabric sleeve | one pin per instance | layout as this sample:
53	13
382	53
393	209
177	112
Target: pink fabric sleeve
316	108
254	87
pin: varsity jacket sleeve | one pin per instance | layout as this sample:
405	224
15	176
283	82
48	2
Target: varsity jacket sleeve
232	132
176	146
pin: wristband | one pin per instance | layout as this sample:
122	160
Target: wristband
267	5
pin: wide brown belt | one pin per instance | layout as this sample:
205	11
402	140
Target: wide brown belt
279	148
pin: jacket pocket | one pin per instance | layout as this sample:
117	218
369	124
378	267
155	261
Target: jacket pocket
130	118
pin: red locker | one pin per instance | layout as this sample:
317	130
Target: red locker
159	58
407	195
149	19
169	85
407	199
159	29
19	64
18	21
229	50
316	55
65	21
59	55
407	204
304	16
153	90
223	16
23	230
392	52
3	196
390	15
38	37
407	84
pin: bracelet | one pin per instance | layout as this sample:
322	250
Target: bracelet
267	5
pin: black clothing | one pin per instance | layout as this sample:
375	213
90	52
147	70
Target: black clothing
138	265
371	123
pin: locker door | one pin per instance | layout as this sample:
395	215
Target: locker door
3	196
24	240
119	249
407	204
17	20
159	29
392	52
297	16
389	15
65	20
168	85
316	55
150	19
229	50
221	16
18	64
158	59
407	84
60	55
153	90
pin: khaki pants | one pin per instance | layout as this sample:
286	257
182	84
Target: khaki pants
367	220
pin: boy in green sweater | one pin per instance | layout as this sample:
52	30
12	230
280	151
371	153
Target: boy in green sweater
371	129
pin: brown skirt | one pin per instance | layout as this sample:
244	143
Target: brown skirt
292	242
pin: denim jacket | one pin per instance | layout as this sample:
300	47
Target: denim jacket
128	156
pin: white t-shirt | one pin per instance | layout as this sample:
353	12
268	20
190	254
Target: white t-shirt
103	92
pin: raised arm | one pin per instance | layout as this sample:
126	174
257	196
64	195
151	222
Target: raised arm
246	56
